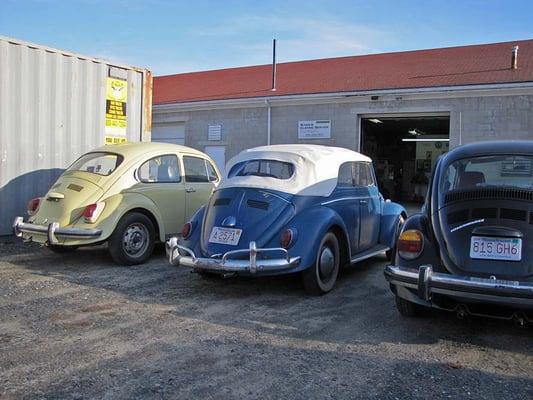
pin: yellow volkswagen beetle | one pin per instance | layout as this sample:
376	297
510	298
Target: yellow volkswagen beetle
128	195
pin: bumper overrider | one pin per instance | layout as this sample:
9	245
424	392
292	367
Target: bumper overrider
53	231
235	261
424	283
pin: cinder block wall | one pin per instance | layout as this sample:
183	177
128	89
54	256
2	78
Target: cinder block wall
471	119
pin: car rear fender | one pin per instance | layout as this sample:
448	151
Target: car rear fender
420	222
390	217
120	204
311	225
193	241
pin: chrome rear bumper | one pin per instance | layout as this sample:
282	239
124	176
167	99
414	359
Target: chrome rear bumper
425	282
52	231
227	263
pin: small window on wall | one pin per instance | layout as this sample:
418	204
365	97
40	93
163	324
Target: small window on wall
198	170
160	169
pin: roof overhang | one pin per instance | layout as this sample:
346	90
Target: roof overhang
442	92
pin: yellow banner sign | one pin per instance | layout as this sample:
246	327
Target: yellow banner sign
115	107
115	139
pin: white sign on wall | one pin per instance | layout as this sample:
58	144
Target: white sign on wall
214	132
314	129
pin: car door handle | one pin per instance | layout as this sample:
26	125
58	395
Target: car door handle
190	190
362	202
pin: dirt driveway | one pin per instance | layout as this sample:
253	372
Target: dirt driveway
78	326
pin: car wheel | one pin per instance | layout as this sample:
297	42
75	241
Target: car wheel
407	308
390	253
62	249
322	275
133	240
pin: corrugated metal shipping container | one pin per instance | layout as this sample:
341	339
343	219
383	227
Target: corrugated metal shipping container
52	110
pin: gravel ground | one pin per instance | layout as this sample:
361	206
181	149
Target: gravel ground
77	326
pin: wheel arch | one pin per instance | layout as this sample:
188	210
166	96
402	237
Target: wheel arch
344	244
150	216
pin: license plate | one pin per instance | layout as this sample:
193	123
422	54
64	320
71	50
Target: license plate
490	248
225	236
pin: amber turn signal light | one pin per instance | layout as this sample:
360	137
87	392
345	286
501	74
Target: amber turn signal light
410	244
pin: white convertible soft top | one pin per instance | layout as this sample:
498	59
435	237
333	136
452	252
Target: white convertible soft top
316	168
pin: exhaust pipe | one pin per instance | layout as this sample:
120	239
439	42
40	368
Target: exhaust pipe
520	319
462	311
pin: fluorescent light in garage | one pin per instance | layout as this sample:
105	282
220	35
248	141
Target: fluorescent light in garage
376	121
425	140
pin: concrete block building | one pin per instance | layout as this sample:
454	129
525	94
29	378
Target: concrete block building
402	109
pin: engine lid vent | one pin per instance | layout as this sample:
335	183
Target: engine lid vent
489	193
484	213
257	204
509	213
223	201
457	217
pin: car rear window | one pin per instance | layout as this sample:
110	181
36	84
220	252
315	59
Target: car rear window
100	163
489	171
266	168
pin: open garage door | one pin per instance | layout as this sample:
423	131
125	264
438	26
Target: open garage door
405	150
169	133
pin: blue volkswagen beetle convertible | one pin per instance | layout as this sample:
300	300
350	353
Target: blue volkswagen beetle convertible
290	208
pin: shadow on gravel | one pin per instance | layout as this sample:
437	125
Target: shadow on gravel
235	367
359	310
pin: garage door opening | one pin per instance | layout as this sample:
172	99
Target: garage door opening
404	150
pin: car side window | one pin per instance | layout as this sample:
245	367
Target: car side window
160	169
362	174
345	178
195	169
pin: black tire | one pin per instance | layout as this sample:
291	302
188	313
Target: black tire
320	278
407	308
62	249
392	252
133	239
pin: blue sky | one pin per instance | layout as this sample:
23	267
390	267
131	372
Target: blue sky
182	36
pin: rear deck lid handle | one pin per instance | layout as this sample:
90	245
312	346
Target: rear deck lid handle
55	196
497	231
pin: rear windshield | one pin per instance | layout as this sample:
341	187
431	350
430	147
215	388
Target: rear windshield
489	171
97	163
267	168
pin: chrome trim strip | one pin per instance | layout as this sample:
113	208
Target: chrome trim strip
368	255
345	199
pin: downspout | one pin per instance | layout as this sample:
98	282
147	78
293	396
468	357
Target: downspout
269	121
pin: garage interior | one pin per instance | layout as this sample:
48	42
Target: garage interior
404	150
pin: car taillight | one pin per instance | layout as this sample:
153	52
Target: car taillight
92	212
33	206
410	244
186	230
286	238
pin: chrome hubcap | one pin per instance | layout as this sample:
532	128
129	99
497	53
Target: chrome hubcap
326	264
135	239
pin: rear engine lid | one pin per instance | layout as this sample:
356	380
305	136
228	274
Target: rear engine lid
490	237
237	216
66	200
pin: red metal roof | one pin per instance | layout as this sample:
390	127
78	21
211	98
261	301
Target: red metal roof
465	65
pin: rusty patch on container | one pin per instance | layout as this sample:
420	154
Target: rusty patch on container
147	109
